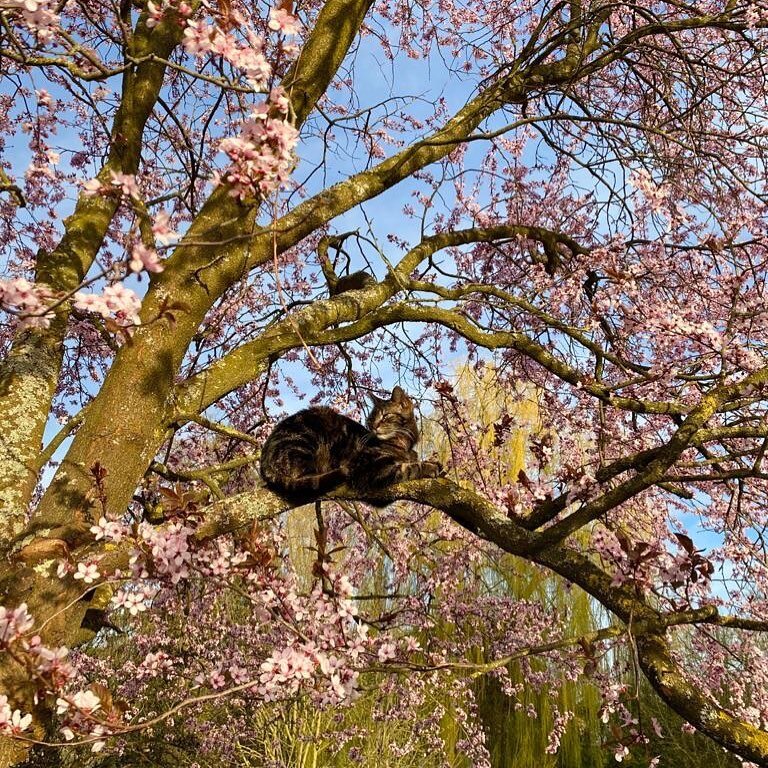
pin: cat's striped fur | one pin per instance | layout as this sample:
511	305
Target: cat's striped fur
318	449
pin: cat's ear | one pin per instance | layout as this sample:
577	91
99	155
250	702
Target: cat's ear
376	401
403	401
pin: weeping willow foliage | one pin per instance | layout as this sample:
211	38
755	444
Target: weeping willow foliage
516	739
369	733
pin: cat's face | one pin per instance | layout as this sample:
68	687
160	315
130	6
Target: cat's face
393	417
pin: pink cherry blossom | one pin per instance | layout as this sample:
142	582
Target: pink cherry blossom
86	701
281	20
620	753
14	623
154	664
37	15
144	258
161	228
88	572
386	651
156	13
262	156
12	722
52	663
133	601
27	300
197	37
109	530
126	182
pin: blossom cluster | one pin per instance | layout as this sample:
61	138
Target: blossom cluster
109	530
12	722
14	624
53	675
319	658
169	549
115	301
285	671
143	257
29	301
201	39
119	183
157	10
263	154
328	656
281	20
37	15
154	664
78	710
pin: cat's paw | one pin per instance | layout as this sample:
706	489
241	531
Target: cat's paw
432	468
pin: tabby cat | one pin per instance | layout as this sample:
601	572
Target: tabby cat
317	449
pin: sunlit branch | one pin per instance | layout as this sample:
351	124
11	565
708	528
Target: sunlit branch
313	322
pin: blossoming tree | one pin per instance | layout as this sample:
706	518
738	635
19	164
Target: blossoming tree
186	192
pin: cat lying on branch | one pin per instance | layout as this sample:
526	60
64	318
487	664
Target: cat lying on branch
316	450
